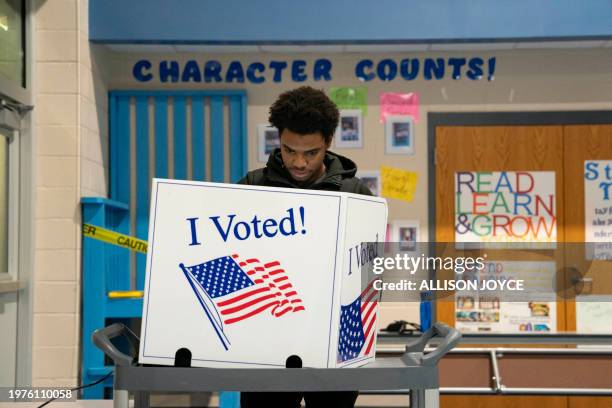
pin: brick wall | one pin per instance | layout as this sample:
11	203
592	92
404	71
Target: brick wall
71	137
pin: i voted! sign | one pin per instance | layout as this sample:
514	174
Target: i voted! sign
247	276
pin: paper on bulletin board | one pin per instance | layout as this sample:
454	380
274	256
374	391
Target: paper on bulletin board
399	104
593	316
477	311
507	206
398	183
350	98
598	209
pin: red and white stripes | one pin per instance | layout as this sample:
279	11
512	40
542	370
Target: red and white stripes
272	290
369	304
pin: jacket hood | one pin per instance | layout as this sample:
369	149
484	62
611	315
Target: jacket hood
337	166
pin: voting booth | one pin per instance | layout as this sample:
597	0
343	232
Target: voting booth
249	276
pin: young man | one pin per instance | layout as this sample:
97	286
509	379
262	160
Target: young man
306	120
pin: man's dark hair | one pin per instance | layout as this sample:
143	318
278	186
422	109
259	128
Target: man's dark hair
305	110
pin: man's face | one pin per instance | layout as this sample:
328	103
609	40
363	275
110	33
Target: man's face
303	155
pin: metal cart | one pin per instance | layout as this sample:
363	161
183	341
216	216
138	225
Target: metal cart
413	370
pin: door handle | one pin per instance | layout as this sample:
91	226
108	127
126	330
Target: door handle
580	283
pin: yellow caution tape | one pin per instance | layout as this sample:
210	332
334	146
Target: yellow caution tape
122	294
115	238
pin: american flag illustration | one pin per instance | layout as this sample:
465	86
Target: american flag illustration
357	325
231	290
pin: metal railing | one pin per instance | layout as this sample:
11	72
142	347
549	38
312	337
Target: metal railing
392	344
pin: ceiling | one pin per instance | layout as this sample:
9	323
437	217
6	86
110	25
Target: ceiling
339	49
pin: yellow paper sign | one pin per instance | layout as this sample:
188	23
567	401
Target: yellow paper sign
398	183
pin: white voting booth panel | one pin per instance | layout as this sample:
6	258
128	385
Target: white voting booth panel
247	276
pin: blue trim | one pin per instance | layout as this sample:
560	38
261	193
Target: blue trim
129	308
136	92
198	148
217	141
112	128
93	297
143	181
229	399
161	136
105	201
373	43
102	271
99	371
180	138
357	22
245	132
120	152
235	143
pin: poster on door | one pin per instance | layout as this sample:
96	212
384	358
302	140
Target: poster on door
593	314
496	312
598	209
505	207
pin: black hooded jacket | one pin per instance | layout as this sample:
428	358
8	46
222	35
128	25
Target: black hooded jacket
339	175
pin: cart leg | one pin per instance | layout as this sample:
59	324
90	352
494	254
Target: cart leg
141	399
417	398
432	398
425	398
121	398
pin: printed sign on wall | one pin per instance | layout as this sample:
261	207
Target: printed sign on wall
598	208
492	311
593	316
508	206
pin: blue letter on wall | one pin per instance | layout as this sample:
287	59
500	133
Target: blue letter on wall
387	69
235	72
360	70
322	69
297	71
475	71
278	67
168	69
433	67
191	72
212	70
252	69
138	71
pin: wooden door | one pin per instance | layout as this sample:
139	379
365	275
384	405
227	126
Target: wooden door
562	149
583	142
495	148
490	149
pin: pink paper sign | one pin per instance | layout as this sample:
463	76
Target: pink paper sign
398	104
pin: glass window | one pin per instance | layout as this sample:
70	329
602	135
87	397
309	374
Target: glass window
9	299
12	40
4	200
